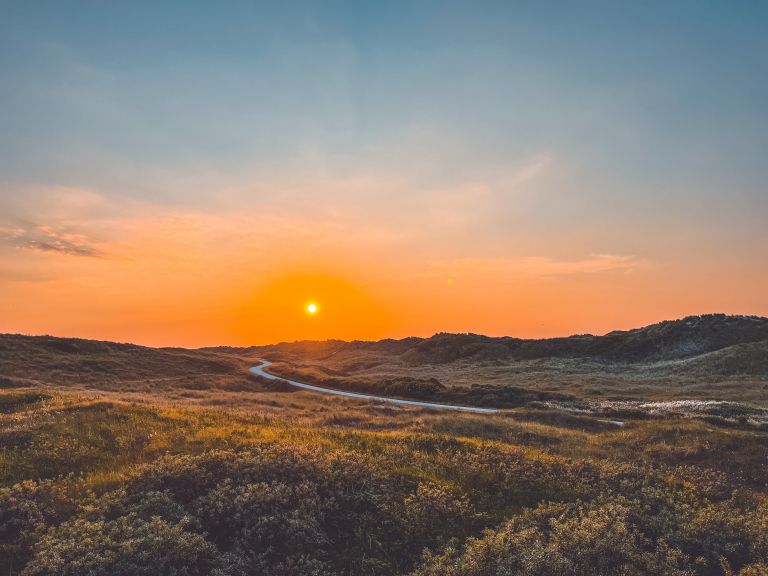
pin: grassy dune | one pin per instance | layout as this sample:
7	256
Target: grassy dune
368	491
704	357
109	477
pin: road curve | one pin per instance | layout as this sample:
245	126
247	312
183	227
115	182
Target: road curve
261	371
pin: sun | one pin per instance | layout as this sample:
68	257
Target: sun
312	308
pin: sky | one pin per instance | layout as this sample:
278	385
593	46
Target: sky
196	173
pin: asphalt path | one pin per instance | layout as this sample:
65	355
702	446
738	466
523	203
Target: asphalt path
261	371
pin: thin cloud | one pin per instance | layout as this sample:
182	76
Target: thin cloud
540	266
48	239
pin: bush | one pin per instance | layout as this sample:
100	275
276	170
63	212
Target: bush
126	546
562	540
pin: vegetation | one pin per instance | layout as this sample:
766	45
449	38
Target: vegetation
216	481
108	488
33	360
701	357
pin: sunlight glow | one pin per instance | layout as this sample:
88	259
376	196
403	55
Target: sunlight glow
312	308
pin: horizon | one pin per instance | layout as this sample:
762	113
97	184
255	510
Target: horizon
185	175
421	337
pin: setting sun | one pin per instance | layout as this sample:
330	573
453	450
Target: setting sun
312	308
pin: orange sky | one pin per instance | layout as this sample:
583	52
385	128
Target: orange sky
132	273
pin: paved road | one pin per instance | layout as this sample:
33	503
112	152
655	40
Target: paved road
261	371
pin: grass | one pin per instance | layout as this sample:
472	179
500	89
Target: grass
112	478
500	465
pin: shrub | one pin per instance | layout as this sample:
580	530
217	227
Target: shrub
126	546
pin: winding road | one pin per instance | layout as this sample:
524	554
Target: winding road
261	371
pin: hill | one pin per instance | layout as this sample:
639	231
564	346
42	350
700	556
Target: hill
669	340
662	342
32	360
750	358
699	357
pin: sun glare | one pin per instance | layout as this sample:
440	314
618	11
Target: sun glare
312	308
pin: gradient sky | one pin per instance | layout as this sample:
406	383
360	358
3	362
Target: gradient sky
192	173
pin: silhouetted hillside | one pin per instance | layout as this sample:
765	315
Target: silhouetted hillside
321	349
697	346
47	359
670	340
666	341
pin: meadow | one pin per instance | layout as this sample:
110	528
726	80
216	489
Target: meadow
194	467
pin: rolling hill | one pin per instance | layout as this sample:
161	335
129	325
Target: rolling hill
32	360
713	357
672	340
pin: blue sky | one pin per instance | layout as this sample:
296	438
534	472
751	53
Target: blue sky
647	90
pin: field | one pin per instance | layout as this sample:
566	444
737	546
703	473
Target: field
117	459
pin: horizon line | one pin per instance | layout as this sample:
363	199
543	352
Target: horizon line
574	335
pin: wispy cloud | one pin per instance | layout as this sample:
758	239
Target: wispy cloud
540	266
48	239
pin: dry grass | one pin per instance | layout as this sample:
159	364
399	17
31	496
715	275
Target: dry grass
124	459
